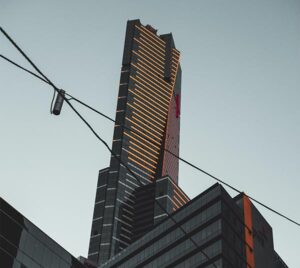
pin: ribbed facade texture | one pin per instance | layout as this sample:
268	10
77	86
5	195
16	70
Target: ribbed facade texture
143	170
139	205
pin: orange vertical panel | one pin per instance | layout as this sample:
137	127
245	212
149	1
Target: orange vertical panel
248	231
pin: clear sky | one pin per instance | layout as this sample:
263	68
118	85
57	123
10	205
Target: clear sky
240	117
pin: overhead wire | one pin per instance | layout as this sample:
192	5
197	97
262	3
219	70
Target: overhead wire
191	164
47	80
112	120
164	149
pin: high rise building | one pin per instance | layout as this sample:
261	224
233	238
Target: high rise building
138	192
147	122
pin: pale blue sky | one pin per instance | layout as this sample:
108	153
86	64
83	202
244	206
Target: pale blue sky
240	115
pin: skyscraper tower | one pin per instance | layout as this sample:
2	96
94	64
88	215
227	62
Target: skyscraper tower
147	123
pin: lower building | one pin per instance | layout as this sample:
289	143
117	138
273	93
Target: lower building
219	231
23	245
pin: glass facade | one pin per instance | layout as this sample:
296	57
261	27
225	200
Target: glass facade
167	246
214	236
23	245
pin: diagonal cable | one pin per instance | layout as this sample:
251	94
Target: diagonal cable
164	149
99	138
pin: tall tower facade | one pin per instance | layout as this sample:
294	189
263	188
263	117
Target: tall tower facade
146	130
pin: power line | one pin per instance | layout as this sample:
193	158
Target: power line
191	164
164	149
46	80
104	143
24	69
185	161
32	73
